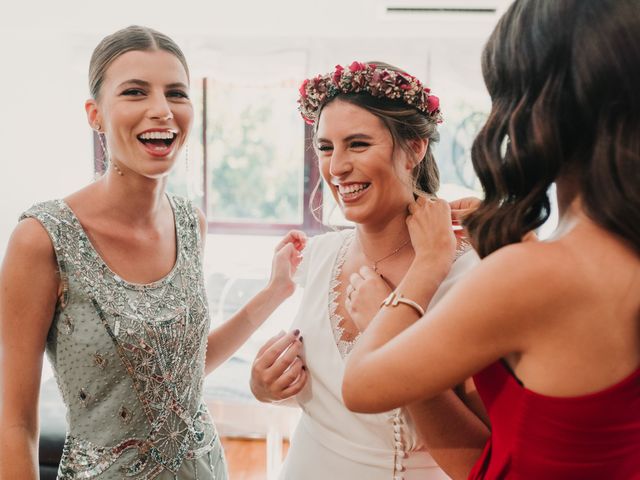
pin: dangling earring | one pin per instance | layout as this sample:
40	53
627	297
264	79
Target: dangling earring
106	152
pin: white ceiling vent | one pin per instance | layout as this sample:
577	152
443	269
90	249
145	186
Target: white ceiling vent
420	8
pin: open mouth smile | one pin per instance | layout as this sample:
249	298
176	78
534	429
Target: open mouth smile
352	191
158	143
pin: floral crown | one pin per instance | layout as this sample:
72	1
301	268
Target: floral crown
366	77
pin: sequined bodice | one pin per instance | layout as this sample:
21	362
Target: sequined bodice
129	358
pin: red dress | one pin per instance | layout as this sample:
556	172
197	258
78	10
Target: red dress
589	437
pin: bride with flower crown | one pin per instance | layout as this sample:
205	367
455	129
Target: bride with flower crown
374	127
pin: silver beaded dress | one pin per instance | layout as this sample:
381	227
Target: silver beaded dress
129	360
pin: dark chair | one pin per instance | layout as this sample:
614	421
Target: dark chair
53	426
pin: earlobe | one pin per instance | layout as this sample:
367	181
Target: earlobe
419	146
93	117
419	149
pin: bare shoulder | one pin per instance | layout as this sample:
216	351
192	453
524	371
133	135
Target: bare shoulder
31	241
29	275
538	266
30	259
526	262
525	280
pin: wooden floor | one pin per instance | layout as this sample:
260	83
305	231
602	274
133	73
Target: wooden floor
247	458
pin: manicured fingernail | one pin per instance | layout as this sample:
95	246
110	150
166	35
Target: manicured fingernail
300	339
296	332
303	367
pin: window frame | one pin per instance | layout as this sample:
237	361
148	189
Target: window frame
311	177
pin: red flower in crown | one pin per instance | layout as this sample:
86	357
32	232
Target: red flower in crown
433	103
357	67
303	88
337	74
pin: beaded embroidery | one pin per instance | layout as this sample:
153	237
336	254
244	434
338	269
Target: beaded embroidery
158	332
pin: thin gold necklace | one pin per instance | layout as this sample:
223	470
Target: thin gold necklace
376	262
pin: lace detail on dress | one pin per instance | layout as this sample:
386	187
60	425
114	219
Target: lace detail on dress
344	346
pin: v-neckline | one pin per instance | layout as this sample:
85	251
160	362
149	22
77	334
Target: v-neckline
342	347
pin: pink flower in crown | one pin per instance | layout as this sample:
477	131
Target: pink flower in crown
374	84
433	103
357	67
303	88
337	74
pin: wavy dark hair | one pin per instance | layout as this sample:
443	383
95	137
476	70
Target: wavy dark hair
564	80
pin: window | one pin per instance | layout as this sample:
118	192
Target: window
254	170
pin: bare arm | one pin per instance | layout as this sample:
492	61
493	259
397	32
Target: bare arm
29	285
224	340
470	328
453	434
468	393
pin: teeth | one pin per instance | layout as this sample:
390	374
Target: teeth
157	136
352	188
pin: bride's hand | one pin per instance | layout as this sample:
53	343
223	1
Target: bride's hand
364	295
286	259
432	236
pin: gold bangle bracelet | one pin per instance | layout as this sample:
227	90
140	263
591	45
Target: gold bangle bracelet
394	299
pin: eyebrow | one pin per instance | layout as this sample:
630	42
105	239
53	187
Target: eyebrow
354	136
144	83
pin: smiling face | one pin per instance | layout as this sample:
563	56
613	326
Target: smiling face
144	110
369	177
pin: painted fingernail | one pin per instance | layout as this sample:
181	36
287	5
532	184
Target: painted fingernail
296	332
303	367
300	339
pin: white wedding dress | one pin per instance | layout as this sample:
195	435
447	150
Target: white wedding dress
331	442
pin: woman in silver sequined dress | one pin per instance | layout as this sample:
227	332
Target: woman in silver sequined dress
109	282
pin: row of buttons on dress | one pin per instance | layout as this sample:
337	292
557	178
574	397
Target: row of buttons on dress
399	452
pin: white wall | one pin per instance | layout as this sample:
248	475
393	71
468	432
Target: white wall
46	147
